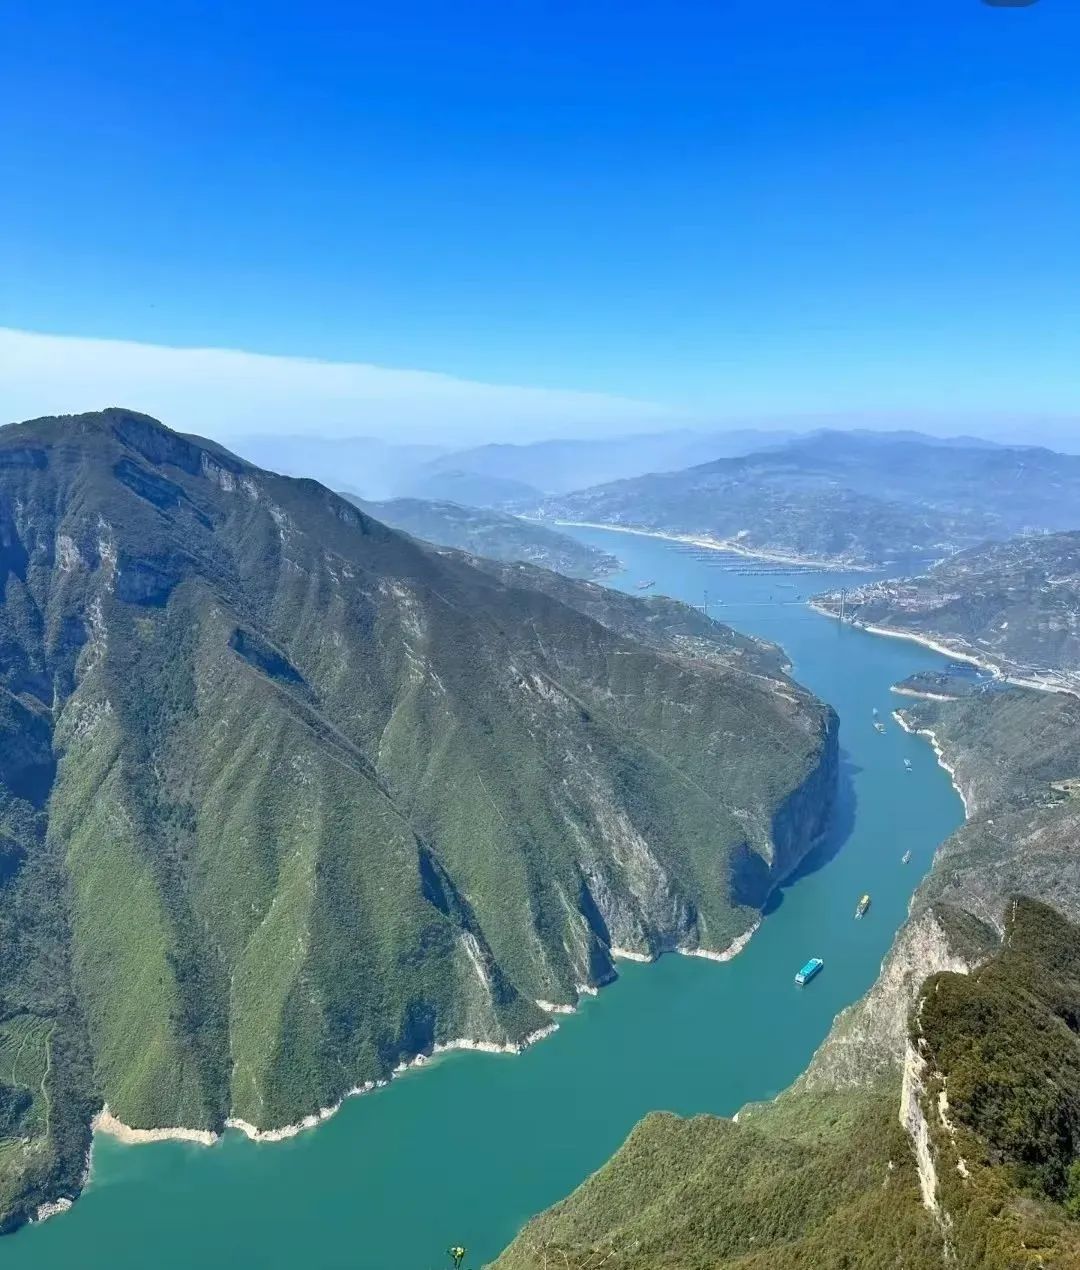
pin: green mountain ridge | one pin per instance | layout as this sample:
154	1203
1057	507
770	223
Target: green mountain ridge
483	532
287	798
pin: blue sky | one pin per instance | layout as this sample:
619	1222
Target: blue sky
731	210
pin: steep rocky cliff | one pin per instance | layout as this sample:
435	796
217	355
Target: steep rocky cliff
1013	753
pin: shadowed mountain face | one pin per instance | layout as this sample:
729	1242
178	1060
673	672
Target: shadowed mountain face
857	498
287	797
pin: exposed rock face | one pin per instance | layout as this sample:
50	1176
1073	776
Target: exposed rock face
954	1147
1007	751
635	905
642	910
913	1119
869	1037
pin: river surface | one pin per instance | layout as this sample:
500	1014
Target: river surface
467	1148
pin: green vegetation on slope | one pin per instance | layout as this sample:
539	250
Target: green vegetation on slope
830	1179
656	620
1005	1043
803	1182
497	535
1014	605
1012	752
287	797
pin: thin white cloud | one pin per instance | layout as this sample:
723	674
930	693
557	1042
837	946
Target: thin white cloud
227	393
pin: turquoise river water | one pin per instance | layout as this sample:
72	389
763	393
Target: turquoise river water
467	1148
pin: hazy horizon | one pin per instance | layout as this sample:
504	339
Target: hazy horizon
229	395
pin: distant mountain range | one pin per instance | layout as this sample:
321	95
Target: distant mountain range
497	475
1015	606
490	533
556	467
471	489
288	797
858	498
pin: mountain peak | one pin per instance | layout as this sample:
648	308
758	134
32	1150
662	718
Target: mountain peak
148	436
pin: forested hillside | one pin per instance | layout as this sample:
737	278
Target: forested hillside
287	798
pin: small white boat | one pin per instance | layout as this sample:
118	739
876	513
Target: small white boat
905	858
879	726
907	765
